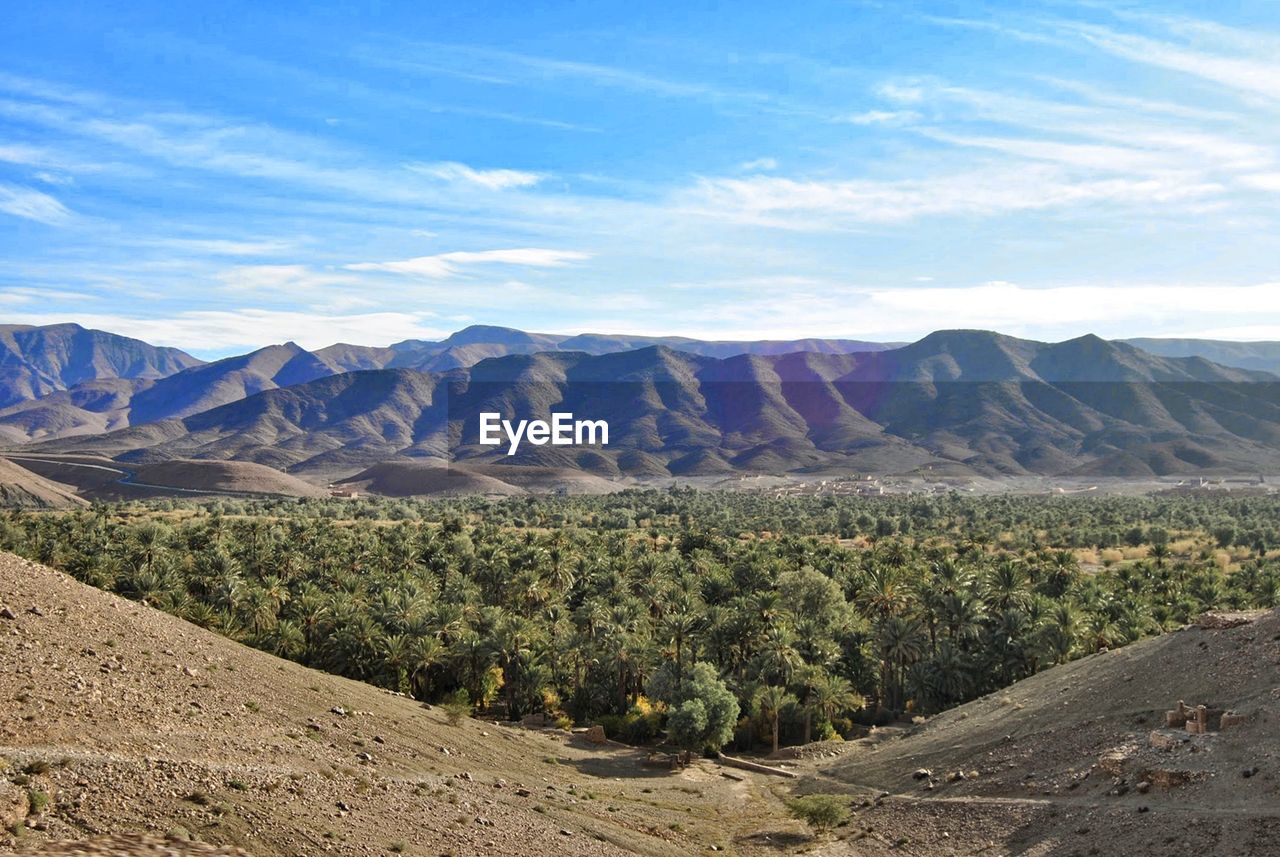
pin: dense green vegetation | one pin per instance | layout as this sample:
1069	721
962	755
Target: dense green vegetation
715	617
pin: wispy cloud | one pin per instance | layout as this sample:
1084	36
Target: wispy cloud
500	179
32	204
220	246
222	330
1255	76
451	264
25	296
882	117
823	205
276	280
204	143
512	68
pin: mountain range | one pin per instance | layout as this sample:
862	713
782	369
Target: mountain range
136	383
961	403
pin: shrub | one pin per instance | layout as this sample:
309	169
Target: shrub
820	812
456	707
38	801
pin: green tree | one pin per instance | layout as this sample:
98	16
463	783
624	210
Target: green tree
702	711
820	811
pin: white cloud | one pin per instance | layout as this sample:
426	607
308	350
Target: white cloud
759	164
818	205
1263	181
452	171
1005	305
902	92
882	117
451	264
26	155
58	179
270	280
220	246
25	295
1245	75
1237	333
903	314
33	205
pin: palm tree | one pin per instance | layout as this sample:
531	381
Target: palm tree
770	700
833	694
679	625
902	642
511	643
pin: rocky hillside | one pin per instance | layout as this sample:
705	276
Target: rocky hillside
1078	759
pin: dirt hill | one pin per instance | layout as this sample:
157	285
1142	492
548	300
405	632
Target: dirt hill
120	719
432	478
234	476
548	480
20	487
1076	760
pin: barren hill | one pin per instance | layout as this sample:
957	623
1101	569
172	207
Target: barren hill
425	479
120	718
436	477
1078	757
229	476
20	487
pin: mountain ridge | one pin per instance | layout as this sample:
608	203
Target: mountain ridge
982	403
37	360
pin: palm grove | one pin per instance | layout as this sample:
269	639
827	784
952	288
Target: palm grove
677	612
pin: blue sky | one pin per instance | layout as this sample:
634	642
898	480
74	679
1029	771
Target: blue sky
221	176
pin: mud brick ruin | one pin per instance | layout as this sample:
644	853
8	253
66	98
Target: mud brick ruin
1201	719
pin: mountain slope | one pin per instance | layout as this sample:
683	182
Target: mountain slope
959	401
21	488
36	361
128	719
1262	356
104	405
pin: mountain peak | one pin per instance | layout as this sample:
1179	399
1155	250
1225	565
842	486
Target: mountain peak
485	333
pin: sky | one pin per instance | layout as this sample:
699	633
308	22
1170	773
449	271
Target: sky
219	177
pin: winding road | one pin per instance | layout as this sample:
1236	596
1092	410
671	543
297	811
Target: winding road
129	477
